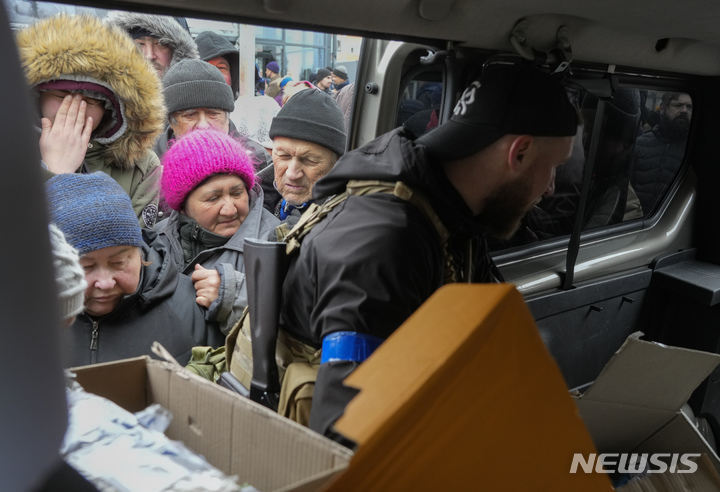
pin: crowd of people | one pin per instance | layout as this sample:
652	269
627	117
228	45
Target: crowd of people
152	191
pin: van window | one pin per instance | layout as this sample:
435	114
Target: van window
300	54
639	151
22	13
419	104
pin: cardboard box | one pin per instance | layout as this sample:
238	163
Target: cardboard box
465	396
235	434
634	404
634	407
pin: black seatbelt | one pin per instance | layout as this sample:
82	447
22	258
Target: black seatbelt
574	244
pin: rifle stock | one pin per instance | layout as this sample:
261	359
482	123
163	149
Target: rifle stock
265	268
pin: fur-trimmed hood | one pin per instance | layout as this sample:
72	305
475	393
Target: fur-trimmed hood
168	31
68	45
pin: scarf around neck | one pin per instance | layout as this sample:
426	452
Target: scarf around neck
194	239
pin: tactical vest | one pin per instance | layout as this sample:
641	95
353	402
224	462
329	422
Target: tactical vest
298	363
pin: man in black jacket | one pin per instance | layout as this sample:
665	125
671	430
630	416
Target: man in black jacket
376	258
659	153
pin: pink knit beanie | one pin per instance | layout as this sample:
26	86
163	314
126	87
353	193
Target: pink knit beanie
197	156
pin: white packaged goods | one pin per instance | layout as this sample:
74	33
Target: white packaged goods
114	450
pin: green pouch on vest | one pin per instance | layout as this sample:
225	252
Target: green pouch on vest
296	394
207	362
238	349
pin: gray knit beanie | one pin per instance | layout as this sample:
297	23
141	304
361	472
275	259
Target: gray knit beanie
93	211
69	275
313	116
340	71
196	84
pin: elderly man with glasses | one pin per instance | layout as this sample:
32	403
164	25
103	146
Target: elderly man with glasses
198	97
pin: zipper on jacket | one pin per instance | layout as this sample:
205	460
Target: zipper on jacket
196	231
95	333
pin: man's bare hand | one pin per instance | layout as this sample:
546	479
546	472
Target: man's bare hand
207	285
64	142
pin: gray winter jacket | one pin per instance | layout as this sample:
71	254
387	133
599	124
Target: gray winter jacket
226	259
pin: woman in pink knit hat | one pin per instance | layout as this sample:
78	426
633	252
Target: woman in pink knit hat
208	180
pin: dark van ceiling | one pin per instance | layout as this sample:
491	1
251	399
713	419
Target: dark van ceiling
666	35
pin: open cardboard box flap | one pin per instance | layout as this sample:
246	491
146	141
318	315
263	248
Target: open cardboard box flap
639	393
652	375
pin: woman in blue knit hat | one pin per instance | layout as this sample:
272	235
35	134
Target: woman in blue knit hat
135	293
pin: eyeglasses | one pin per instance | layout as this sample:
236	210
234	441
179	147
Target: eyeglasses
194	114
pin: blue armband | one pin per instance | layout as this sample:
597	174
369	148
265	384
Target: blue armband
348	345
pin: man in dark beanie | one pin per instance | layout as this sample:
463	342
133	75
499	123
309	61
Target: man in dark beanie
198	97
308	137
340	78
659	153
324	80
377	256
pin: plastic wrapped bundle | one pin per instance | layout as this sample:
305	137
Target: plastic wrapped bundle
120	451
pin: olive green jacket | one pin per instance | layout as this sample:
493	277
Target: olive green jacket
82	48
273	87
141	182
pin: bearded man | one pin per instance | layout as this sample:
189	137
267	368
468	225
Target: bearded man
659	153
375	258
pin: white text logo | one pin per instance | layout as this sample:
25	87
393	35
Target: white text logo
635	463
466	99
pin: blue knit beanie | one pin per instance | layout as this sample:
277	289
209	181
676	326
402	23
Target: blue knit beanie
93	211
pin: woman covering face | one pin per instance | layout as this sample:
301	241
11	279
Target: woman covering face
208	180
99	103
